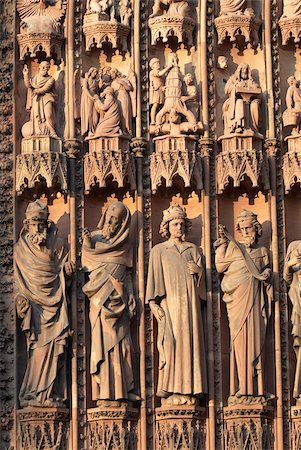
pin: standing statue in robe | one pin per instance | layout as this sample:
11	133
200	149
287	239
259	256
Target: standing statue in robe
40	102
175	287
248	294
122	88
241	114
234	7
156	90
292	276
107	256
291	8
292	115
89	115
40	272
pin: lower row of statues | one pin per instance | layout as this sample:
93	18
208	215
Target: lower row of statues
176	294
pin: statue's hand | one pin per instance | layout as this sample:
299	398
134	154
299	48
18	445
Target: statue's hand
157	311
266	274
22	305
132	305
193	268
69	268
294	261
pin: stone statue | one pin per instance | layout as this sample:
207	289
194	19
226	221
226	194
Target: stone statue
292	115
291	8
172	8
234	7
175	287
241	111
40	102
292	273
107	256
122	87
40	16
106	7
109	115
191	95
248	294
90	88
174	107
156	81
125	11
40	272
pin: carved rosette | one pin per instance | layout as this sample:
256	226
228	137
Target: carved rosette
290	29
31	43
241	157
98	30
180	427
164	27
43	428
112	428
296	428
234	25
109	158
248	426
176	156
41	158
292	163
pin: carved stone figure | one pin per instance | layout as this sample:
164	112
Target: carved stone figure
248	294
125	11
156	81
172	8
109	115
241	111
89	114
40	102
169	118
291	274
292	115
175	288
291	8
107	256
40	271
233	7
122	87
191	95
102	6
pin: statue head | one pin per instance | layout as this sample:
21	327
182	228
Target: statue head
44	68
175	223
249	227
115	215
244	71
292	81
173	59
93	72
114	73
188	79
154	63
36	222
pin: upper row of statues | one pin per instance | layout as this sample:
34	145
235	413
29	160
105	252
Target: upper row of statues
176	293
108	102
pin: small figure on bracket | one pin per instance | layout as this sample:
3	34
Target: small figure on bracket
292	115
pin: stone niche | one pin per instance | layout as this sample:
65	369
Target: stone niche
99	31
43	428
233	26
109	159
241	156
176	156
41	157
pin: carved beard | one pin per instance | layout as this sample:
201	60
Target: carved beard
109	230
249	241
38	238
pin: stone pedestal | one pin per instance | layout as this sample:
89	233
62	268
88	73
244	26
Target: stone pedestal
109	159
180	427
292	162
165	27
290	29
43	428
241	157
296	427
112	428
248	427
176	156
31	43
235	25
99	30
41	158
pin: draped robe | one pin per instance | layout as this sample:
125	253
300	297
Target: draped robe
232	6
108	288
40	280
291	8
180	335
248	302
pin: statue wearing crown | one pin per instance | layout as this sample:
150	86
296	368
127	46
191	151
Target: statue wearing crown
40	271
175	290
247	289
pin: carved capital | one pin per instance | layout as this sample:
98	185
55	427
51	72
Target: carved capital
165	27
139	147
109	159
249	426
235	25
112	428
99	31
180	427
31	43
290	29
43	428
176	157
